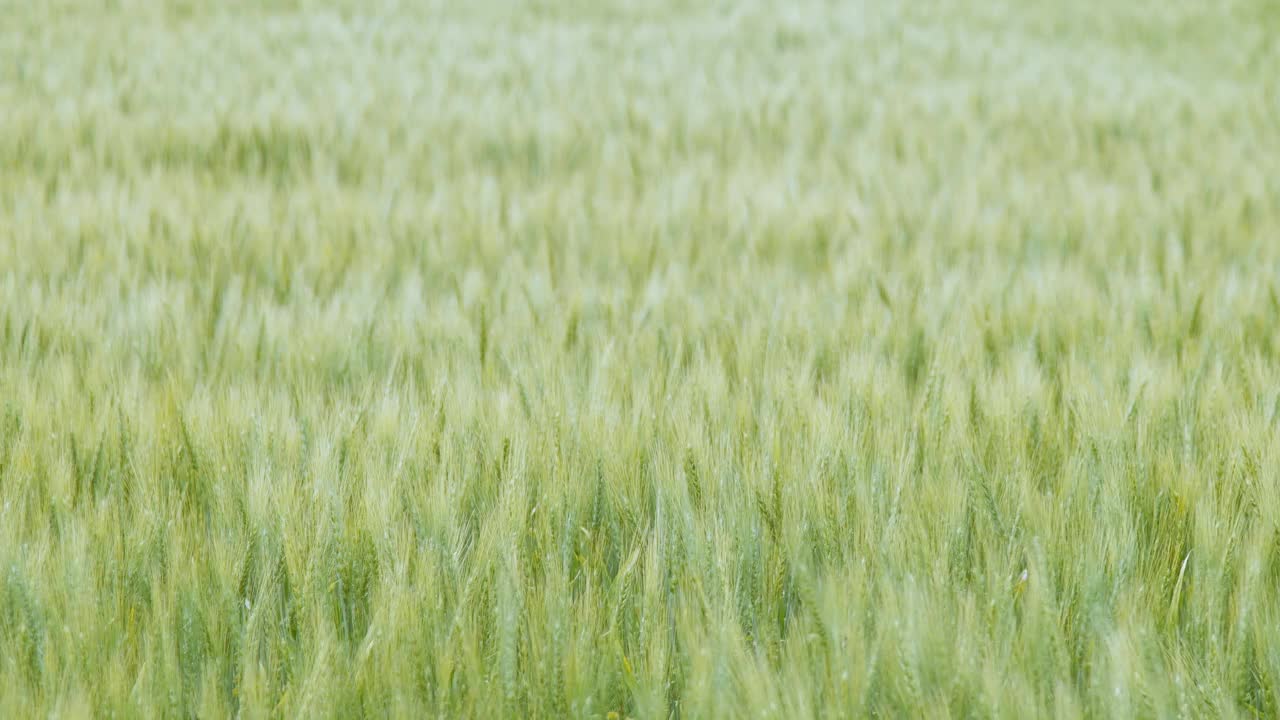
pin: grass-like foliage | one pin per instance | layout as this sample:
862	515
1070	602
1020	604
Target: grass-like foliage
639	359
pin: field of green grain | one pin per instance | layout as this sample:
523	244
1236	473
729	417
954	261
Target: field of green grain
622	359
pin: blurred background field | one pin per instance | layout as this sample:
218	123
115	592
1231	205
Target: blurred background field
665	359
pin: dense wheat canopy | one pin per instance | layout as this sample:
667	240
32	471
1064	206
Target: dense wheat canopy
666	359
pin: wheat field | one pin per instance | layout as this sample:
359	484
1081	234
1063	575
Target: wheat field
620	359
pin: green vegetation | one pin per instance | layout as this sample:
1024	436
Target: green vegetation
665	359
